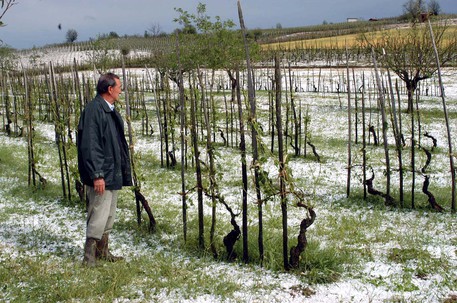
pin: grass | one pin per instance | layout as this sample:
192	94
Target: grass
59	276
348	241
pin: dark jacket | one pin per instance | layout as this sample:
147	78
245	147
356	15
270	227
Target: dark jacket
102	148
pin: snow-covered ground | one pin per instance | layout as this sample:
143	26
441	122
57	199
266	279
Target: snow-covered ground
377	281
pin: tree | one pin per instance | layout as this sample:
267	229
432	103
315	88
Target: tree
414	8
434	7
5	5
113	35
155	30
72	35
214	45
410	54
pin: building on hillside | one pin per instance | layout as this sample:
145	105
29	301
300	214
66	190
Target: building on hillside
352	19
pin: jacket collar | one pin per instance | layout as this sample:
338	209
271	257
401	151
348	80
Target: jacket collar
104	104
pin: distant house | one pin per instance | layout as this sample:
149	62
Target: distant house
352	19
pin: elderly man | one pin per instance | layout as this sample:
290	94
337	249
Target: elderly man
104	166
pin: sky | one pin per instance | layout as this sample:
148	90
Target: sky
34	23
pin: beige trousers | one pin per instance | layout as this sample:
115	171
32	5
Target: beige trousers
100	213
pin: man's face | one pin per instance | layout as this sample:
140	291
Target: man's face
116	90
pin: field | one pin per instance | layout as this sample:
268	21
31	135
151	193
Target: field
359	250
351	40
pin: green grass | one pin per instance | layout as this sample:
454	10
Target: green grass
347	234
59	276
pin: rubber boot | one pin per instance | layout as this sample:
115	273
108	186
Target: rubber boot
103	252
90	250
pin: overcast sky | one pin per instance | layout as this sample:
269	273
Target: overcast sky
35	22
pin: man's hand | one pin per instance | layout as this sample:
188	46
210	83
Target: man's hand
99	186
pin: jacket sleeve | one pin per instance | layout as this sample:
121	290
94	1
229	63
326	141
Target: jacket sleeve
92	142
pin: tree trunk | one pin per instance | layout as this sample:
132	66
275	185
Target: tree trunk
198	171
282	169
384	123
254	125
397	136
139	198
364	141
348	181
448	129
212	171
182	102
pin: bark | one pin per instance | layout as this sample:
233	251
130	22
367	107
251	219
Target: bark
314	151
431	198
434	141
451	156
57	127
295	251
80	189
296	129
244	174
254	125
282	165
349	143
364	141
231	238
427	162
198	171
29	119
373	132
388	200
384	124
139	198
397	136
212	170
413	164
182	102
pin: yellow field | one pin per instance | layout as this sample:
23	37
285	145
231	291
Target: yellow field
340	42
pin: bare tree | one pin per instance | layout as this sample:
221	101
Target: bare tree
410	55
434	7
413	9
155	30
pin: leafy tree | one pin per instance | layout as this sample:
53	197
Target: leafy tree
113	35
215	45
5	5
72	35
255	34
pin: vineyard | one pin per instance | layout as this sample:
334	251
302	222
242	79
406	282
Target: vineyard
260	175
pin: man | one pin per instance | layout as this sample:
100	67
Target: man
104	166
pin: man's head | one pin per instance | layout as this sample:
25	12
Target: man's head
109	87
